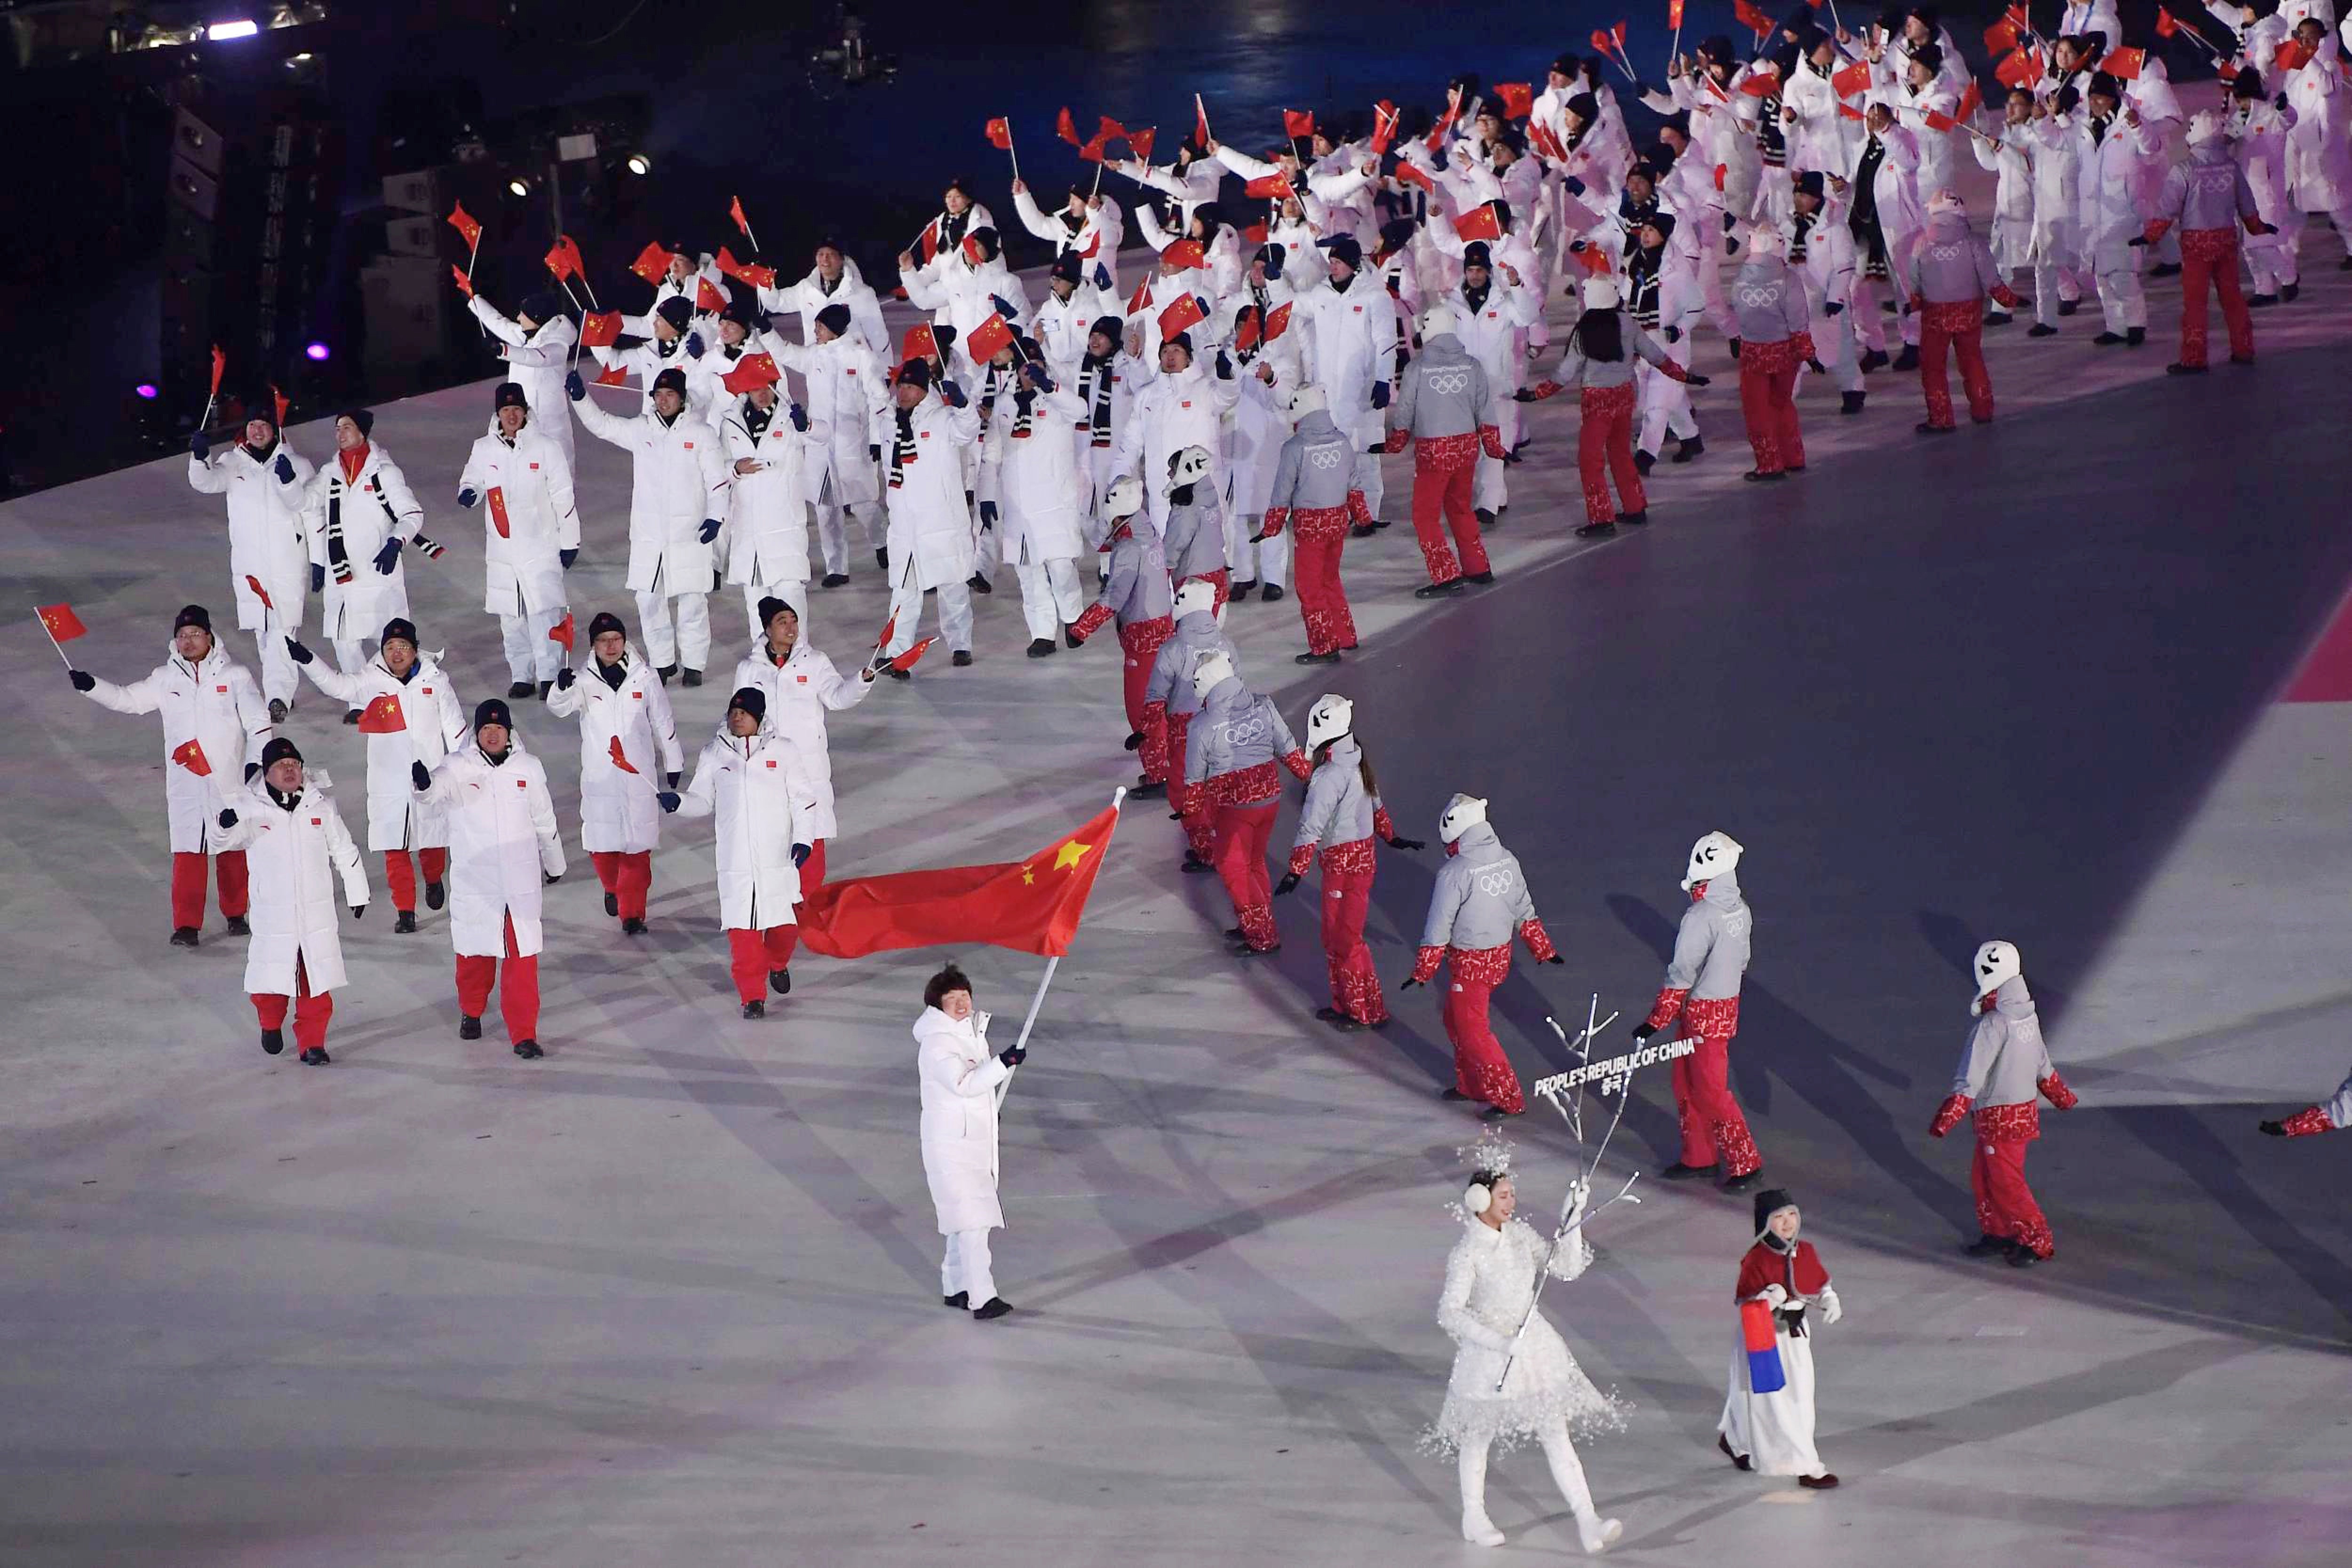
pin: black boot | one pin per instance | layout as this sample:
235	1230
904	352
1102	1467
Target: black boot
963	659
520	689
2261	301
2177	369
468	1027
2289	293
1908	359
613	904
2068	307
1681	1172
1437	590
978	583
2108	339
1274	592
1241	591
404	922
528	1050
2165	269
1635	519
1194	865
184	936
434	895
1987	1246
634	925
780	982
1851	402
694	677
833	580
2041	329
545	687
2020	1256
1643	462
960	1301
1149	789
882	557
316	1056
1314	658
273	1040
1871	359
996	1308
755	1010
1362	530
1742	1183
238	926
1069	638
2135	336
1601	530
665	672
1041	647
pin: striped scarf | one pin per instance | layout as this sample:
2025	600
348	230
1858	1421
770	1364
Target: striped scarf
902	450
1094	385
1642	271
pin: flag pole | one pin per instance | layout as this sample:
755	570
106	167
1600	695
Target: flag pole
1038	1000
52	636
1011	151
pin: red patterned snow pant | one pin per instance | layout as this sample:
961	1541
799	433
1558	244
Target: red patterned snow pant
1604	445
753	956
627	877
2213	254
312	1011
1767	401
1240	856
1442	469
1959	325
2005	1206
188	887
1346	900
1139	641
1480	1069
1320	533
1199	831
517	980
399	874
1712	1127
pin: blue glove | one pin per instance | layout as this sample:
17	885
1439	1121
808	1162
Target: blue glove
1003	307
1224	367
694	345
1575	186
710	530
200	446
227	818
800	419
317	579
299	654
1035	375
672	779
574	388
800	855
465	499
1379	394
567	557
952	394
419	776
388	557
1102	276
669	798
988	514
1833	307
1674	334
285	467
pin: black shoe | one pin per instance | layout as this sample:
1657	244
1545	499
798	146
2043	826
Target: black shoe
1438	590
2041	329
2241	359
434	895
1908	359
896	673
1069	638
545	687
1685	450
2261	301
780	982
978	583
1459	1098
1596	530
2108	340
996	1308
2165	269
634	925
1997	319
755	1010
1742	1183
1724	1443
1273	591
833	580
1681	1172
882	557
2291	292
520	689
468	1027
2135	336
665	672
1635	519
2345	266
2177	369
1871	360
2068	307
1241	591
2020	1256
404	922
1243	950
1314	658
1041	647
273	1040
960	1301
1362	530
962	660
350	715
1757	477
1643	462
1851	402
1194	865
1480	577
1338	1019
612	904
1497	1114
1987	1246
278	710
1931	428
1823	1482
528	1050
238	926
694	677
1236	933
1149	789
317	1056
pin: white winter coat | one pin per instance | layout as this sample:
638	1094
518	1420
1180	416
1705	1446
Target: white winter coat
1260	426
436	727
808	297
847	393
502	838
522	567
293	858
2319	145
1039	497
768	510
537	361
1171	414
801	691
754	790
1352	345
2111	178
213	703
959	1078
679	479
2258	135
618	811
968	296
266	538
374	507
931	527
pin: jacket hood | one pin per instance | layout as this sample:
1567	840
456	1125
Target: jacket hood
1445	347
935	1024
1226	693
208	663
1319	422
1948	226
852	280
1346	753
317	783
1475	837
1722	889
2013	1000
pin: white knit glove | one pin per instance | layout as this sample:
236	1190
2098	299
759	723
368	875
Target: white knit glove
1831	1308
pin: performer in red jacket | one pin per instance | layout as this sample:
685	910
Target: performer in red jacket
1773	1433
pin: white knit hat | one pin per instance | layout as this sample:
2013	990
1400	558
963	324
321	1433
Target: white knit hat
1602	294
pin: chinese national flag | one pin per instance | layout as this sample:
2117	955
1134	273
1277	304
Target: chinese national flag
2165	25
706	298
998	134
465	284
190	755
1595	261
1547	145
2124	64
1182	314
1760	84
613	376
1845	110
1674	15
63	624
1277	321
1409	174
282	401
1186	253
559	259
259	592
735	211
1254	233
1107	130
1141	299
1093	151
382	716
1855	78
1971	99
919	343
621	758
2290	56
563	631
652	264
1752	19
2003	36
988	338
1247	333
600	328
1029	906
220	363
1199	120
1068	129
912	656
744	272
2020	69
1478	223
1140	142
498	503
1297	123
1271	187
1940	121
1384	126
1518	99
752	370
463	222
930	240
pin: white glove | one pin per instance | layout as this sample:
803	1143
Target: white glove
1775	1297
1580	1193
1831	1308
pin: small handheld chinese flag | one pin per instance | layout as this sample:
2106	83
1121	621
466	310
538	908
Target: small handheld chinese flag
2290	56
282	401
562	631
1760	84
621	758
1765	1374
613	376
1277	321
1478	223
998	134
758	276
1852	81
1938	120
752	371
706	298
1297	123
1254	233
987	338
919	343
559	259
652	264
1518	98
382	716
1845	111
220	363
1095	149
2124	64
463	222
735	211
498	505
1674	15
1068	129
914	655
190	755
1754	20
1140	142
465	284
1971	99
1187	253
1140	300
1410	174
259	592
600	328
2020	69
1385	116
60	622
1199	120
1275	187
1182	313
1247	333
1107	130
2003	36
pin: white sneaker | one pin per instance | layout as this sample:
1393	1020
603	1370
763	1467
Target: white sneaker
1597	1533
1479	1531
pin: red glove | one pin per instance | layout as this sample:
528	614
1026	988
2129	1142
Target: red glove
1918	304
1383	824
1805	351
2156	229
2309	1120
1490	442
1663	1010
2054	1089
1275	517
1397	438
1949	1114
1542	390
1092	621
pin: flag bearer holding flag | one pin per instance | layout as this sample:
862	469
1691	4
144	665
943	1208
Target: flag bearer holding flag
749	781
625	730
213	717
530	532
286	826
959	1078
1765	1429
409	712
268	554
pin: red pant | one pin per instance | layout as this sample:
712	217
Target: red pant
752	955
2005	1206
518	982
1139	641
1480	1069
400	873
1347	901
1315	573
312	1011
1712	1127
1959	325
1199	820
2208	254
188	887
812	878
1767	401
628	877
1604	445
1435	488
1240	856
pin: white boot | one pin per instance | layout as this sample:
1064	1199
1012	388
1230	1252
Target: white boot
1478	1530
1471	1467
1596	1533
